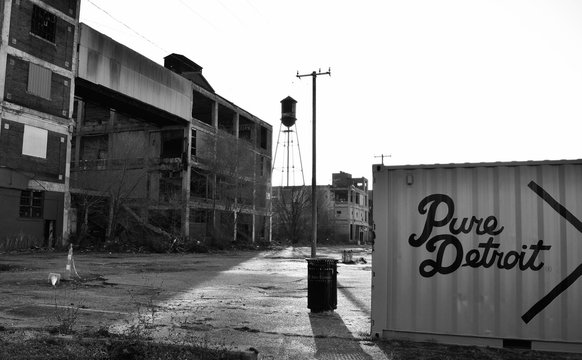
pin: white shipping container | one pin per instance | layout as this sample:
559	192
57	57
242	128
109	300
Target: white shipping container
485	254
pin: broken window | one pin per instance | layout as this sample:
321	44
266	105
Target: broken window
43	24
31	203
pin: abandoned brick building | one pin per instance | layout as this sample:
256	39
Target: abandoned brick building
143	145
38	64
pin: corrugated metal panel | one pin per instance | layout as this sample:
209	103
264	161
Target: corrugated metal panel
39	81
503	277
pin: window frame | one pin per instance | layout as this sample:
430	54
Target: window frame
31	204
43	24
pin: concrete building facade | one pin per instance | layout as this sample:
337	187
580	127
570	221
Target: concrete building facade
38	65
350	208
156	144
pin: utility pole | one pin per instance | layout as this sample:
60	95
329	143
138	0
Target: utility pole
314	75
382	156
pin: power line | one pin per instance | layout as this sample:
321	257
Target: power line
198	14
232	13
257	10
127	26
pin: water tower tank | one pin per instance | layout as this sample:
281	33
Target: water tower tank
288	117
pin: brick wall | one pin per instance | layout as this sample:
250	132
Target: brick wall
60	53
47	169
68	7
16	92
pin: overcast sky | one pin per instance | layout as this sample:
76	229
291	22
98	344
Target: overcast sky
427	81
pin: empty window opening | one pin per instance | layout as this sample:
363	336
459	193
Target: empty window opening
226	119
341	195
31	204
264	140
172	142
44	24
246	129
198	184
202	108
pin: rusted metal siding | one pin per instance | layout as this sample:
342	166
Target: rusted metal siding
520	207
105	62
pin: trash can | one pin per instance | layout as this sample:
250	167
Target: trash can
321	284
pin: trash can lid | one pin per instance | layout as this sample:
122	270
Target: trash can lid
321	260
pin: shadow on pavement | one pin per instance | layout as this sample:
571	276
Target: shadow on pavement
354	300
333	340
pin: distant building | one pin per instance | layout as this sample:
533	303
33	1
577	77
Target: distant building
38	64
343	210
350	208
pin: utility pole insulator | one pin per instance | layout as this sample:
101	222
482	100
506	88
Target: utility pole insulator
382	156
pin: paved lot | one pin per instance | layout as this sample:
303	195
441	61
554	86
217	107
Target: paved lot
247	299
238	300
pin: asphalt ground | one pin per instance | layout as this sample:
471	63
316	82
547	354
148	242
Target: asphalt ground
233	300
240	300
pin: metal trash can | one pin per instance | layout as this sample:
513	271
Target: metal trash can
321	284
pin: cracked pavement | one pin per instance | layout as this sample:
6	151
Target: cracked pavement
242	300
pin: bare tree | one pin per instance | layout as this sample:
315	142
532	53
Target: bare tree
231	163
103	186
292	210
290	207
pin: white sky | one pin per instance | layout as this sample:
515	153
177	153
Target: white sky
426	81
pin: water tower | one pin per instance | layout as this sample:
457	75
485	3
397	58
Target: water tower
290	144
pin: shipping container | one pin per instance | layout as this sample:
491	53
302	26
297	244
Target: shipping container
484	254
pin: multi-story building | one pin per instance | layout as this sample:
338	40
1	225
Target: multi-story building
157	145
343	212
350	208
38	65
